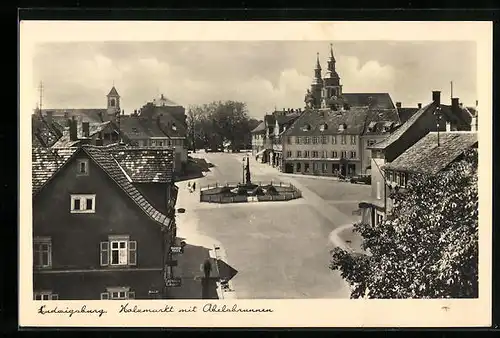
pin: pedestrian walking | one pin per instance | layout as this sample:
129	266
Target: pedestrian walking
189	185
194	186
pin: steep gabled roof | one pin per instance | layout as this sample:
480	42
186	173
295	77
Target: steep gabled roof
403	128
145	164
406	112
113	92
47	165
426	156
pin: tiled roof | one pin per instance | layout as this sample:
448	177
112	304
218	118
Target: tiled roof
354	121
379	100
136	127
260	128
43	134
113	169
406	112
113	92
45	163
94	128
403	128
282	118
380	121
460	118
88	115
145	165
427	157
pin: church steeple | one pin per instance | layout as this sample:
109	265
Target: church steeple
331	72
332	86
113	107
317	72
317	83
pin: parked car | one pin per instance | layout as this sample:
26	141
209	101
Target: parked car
363	179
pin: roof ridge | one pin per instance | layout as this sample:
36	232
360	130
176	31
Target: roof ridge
149	209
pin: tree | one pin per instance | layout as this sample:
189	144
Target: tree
211	124
427	247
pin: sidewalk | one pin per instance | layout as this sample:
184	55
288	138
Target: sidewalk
198	248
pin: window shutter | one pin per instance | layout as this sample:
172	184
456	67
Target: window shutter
54	297
131	295
104	253
132	253
104	296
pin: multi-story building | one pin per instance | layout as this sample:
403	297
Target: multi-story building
332	135
98	231
432	117
258	135
163	123
267	143
328	142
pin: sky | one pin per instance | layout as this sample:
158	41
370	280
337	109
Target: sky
263	74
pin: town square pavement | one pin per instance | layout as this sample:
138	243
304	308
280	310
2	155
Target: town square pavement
280	249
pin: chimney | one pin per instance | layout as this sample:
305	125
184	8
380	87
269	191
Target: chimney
66	115
454	104
419	106
48	117
398	104
436	97
85	129
73	135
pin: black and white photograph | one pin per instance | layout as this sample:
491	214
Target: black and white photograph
239	175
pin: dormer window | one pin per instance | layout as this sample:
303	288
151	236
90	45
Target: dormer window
174	127
371	126
306	127
342	127
323	127
134	130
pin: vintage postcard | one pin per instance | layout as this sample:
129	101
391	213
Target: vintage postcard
255	174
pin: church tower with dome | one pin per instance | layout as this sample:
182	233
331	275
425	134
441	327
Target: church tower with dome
325	91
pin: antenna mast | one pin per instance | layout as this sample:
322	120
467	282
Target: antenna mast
451	92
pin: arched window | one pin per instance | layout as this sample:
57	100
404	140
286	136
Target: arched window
112	102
